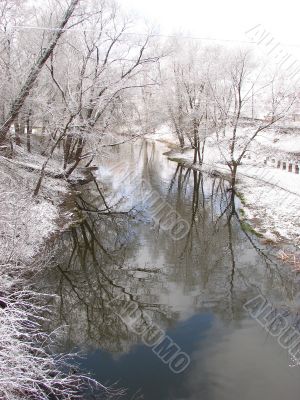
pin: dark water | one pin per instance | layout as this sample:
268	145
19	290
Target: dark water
194	289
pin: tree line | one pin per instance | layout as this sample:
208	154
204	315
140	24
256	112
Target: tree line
80	74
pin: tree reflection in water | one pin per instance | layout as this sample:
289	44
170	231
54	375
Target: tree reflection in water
217	266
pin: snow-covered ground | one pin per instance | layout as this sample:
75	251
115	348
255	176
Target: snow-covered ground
26	222
279	143
271	196
272	201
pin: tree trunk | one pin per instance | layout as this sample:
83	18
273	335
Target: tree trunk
17	133
78	154
195	154
42	173
181	140
67	148
28	132
233	176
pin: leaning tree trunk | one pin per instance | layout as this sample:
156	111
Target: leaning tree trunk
34	72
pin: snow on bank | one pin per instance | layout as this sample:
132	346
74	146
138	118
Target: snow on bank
271	197
27	369
282	143
26	221
271	202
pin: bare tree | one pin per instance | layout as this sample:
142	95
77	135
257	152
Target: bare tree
99	66
187	97
233	92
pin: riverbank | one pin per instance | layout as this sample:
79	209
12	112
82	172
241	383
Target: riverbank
27	367
270	198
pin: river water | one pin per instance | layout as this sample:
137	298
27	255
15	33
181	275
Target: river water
194	289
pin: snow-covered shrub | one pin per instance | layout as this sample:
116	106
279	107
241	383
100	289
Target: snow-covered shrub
28	370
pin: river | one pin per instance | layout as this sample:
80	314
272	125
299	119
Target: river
193	288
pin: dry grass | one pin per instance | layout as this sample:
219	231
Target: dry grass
291	259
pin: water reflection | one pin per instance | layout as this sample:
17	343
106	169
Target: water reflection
194	288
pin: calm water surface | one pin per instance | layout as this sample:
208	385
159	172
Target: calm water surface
194	288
